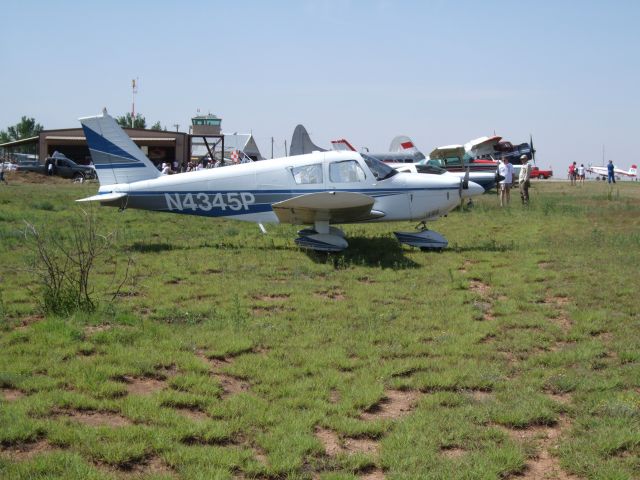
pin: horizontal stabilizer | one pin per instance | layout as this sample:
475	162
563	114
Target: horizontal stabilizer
334	207
103	198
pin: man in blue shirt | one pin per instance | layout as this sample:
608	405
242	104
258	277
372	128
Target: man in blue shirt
610	177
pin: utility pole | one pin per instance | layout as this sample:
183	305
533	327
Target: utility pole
177	125
134	90
285	149
272	147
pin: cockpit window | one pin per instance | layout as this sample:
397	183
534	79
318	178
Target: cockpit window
307	174
380	170
347	171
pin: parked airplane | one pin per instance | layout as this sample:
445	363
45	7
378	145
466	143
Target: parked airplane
618	172
319	189
404	156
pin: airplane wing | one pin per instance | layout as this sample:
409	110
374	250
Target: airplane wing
103	198
342	145
448	151
482	142
335	207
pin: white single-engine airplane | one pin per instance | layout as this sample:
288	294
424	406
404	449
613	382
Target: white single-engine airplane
618	172
319	189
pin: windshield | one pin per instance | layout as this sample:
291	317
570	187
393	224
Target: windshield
380	170
427	168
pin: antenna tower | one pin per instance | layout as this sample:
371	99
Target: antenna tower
134	90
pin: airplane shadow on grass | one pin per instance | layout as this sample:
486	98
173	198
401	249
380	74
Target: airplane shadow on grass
366	251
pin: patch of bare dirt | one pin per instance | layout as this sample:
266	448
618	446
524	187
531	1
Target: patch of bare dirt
361	445
267	310
333	445
544	465
562	398
480	288
545	265
272	297
366	280
394	404
212	271
480	395
143	386
329	440
96	419
25	451
335	294
452	452
193	414
373	474
563	322
34	177
11	394
152	466
91	329
260	455
230	384
28	320
556	300
334	396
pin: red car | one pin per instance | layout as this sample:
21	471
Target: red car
537	173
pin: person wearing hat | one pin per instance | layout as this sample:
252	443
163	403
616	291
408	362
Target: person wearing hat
523	179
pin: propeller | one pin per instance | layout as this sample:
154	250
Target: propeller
533	150
464	185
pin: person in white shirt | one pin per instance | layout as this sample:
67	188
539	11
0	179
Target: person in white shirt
165	169
581	171
523	179
505	170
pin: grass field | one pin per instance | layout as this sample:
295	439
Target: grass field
515	353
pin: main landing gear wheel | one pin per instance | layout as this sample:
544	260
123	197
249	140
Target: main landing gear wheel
424	239
322	238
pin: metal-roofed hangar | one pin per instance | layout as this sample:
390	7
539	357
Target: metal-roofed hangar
160	146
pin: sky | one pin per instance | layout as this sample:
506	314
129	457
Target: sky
441	72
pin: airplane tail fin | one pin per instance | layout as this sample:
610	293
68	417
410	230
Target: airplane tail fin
301	142
116	158
633	170
342	145
404	144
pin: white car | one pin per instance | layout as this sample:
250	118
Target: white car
8	167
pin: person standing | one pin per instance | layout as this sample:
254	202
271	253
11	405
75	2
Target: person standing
610	177
581	173
523	179
572	173
505	169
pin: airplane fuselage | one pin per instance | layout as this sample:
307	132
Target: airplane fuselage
247	191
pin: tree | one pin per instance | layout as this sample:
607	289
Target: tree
138	122
26	128
156	126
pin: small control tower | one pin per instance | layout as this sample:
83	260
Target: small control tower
205	125
206	129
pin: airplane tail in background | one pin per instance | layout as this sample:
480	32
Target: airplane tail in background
633	171
301	143
404	144
116	158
